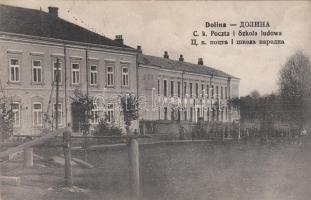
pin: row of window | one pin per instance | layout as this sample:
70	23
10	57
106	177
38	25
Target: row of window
38	116
216	115
208	91
37	72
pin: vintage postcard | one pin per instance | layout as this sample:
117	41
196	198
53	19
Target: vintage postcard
155	100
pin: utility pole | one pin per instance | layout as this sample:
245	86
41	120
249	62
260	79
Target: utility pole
57	93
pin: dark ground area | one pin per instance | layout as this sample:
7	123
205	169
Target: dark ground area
183	171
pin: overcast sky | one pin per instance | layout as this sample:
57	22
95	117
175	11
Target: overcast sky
160	26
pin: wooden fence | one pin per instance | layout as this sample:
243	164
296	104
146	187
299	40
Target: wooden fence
36	140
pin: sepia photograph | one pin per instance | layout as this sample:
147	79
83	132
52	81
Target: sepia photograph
155	100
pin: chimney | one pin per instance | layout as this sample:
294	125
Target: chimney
200	61
53	11
119	39
166	55
139	50
181	58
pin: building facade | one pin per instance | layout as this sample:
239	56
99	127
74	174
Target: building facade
178	90
37	45
89	62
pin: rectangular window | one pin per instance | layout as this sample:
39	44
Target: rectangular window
191	114
212	91
158	87
221	92
95	116
125	76
110	112
185	115
185	89
196	90
190	86
202	90
172	114
14	70
37	114
178	88
36	71
207	91
165	113
59	72
217	92
172	88
178	115
165	88
93	75
226	93
75	68
60	113
16	114
110	76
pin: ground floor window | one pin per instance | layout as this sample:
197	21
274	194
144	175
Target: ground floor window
165	113
95	116
110	113
16	114
37	114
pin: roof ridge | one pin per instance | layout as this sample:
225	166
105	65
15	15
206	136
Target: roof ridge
192	67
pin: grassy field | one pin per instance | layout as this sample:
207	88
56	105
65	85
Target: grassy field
181	171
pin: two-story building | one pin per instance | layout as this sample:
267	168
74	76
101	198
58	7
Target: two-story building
179	90
32	42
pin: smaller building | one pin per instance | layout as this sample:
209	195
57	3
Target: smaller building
179	90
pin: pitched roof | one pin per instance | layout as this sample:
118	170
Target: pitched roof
181	66
39	23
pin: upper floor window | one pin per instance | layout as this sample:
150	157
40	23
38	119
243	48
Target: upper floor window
14	70
172	88
226	93
202	90
93	75
217	92
158	86
125	76
221	92
207	90
36	71
37	114
178	88
59	71
212	91
15	106
165	88
185	88
190	86
196	90
110	76
75	69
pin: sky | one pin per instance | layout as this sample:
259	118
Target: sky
160	26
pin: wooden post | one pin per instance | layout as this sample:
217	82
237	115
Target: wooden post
28	155
67	156
134	168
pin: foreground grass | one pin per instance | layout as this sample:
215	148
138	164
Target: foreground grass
182	171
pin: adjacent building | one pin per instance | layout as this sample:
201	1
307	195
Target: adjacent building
179	90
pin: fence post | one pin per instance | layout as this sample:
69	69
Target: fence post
28	155
134	168
67	156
